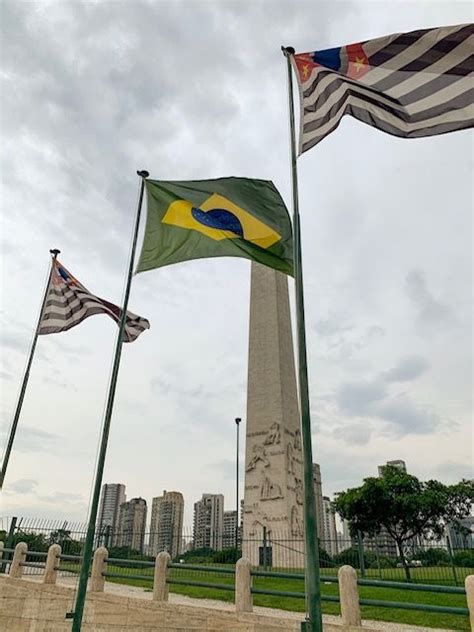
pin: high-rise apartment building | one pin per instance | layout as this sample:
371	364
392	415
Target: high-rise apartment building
209	522
318	495
113	495
230	527
398	463
166	527
330	534
132	523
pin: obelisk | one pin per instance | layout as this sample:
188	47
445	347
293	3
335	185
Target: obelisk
273	498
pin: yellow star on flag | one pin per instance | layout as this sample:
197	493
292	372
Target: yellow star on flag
359	63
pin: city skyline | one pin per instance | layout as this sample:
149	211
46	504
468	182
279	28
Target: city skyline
322	498
230	504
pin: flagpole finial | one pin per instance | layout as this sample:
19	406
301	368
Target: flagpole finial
55	252
143	173
288	50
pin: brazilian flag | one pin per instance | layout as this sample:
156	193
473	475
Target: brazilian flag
226	217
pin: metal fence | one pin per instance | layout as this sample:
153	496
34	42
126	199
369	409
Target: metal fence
257	585
428	562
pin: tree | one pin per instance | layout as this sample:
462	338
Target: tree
34	541
67	543
404	507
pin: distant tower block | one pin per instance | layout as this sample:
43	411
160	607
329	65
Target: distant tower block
273	499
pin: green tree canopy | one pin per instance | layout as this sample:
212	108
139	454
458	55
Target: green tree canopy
404	506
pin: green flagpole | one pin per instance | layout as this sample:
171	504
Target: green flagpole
26	377
89	543
313	622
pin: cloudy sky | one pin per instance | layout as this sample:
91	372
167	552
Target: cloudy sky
93	91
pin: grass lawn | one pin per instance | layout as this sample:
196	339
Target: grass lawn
429	619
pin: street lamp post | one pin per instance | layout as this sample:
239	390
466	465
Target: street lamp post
237	422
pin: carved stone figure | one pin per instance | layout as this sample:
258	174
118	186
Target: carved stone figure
259	455
296	522
269	490
299	491
297	440
290	466
273	435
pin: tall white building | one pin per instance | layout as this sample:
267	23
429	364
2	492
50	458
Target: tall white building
230	528
330	533
166	526
209	522
113	495
132	523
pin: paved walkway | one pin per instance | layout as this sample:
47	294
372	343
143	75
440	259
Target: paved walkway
141	593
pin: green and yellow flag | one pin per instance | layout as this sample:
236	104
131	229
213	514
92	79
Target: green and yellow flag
226	217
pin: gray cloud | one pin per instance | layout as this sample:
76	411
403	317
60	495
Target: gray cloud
13	340
63	346
225	468
23	486
430	310
400	414
59	381
452	471
358	398
29	439
330	327
407	417
354	434
341	339
408	368
62	498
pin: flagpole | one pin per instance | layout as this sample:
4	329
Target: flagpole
313	622
26	376
89	542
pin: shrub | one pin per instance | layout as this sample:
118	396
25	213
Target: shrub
464	558
351	557
325	560
226	556
432	556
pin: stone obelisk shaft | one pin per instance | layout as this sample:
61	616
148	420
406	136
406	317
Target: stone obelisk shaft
273	496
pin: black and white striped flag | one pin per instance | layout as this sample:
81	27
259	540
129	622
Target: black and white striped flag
409	85
68	303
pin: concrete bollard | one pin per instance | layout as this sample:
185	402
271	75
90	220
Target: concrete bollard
160	586
469	584
99	566
52	561
16	571
243	584
349	596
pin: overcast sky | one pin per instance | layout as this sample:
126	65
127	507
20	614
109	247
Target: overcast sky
93	91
